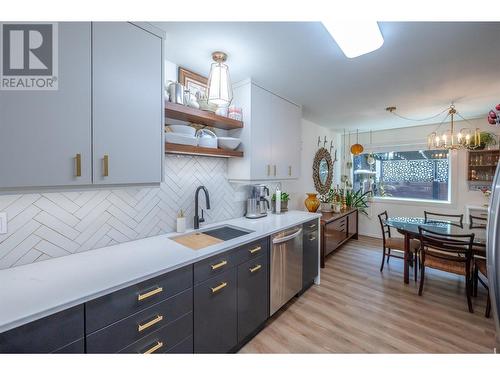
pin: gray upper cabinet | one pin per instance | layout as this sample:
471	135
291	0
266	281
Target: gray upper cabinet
41	132
127	104
106	116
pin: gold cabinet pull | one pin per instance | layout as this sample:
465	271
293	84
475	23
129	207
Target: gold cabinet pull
269	169
154	348
219	287
289	170
218	265
275	169
105	169
142	327
153	292
256	268
78	161
312	238
255	250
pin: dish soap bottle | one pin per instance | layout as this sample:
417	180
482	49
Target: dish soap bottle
278	200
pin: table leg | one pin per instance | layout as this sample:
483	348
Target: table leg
406	265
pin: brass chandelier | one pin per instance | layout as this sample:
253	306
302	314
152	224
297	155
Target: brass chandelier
450	139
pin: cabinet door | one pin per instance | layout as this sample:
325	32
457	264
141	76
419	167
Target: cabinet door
294	143
127	104
215	314
286	135
353	223
253	295
41	132
310	257
262	137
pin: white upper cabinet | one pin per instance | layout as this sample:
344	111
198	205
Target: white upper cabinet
42	132
105	118
127	104
270	136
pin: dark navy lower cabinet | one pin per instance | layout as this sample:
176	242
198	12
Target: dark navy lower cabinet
226	306
121	334
215	314
310	256
47	335
253	295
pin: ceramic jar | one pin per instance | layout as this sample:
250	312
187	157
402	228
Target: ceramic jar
312	202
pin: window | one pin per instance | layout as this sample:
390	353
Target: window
408	174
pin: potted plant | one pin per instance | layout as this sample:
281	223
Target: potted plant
326	201
487	140
356	199
285	197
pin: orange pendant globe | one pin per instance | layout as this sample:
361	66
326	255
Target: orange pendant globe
356	149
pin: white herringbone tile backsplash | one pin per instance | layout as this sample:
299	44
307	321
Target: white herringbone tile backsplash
49	225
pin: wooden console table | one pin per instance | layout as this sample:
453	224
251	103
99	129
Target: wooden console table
337	229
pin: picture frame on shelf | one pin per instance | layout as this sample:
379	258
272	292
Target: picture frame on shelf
194	82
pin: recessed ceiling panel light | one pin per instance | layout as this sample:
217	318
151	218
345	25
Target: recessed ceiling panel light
355	38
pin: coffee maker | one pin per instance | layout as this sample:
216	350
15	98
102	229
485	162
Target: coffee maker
257	204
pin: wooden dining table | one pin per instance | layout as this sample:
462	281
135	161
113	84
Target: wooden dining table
408	227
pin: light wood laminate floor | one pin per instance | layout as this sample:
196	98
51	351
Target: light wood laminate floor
358	309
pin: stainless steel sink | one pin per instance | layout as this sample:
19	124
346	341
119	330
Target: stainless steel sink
203	238
226	232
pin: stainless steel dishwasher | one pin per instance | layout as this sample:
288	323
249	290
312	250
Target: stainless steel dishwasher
286	266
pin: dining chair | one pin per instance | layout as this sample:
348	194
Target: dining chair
452	219
395	243
480	267
448	253
477	222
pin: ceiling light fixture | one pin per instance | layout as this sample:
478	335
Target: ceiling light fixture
220	91
465	138
355	38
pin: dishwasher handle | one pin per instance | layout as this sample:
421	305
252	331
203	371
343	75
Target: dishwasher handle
287	238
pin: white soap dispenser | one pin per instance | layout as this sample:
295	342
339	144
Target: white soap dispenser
278	200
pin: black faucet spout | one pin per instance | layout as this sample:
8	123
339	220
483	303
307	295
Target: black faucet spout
197	219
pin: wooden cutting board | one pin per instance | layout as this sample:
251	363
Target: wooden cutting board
197	241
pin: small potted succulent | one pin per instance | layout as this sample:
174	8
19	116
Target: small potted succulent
285	197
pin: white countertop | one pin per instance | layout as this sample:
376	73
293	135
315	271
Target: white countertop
33	291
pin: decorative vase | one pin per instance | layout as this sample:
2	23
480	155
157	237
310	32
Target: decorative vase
312	202
326	207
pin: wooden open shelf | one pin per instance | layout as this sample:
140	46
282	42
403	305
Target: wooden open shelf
197	116
174	148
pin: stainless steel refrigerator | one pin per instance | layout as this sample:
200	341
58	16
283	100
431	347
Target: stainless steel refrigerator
493	254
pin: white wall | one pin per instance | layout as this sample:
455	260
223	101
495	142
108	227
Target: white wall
412	138
298	188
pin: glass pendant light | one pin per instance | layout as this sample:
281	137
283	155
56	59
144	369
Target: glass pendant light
220	91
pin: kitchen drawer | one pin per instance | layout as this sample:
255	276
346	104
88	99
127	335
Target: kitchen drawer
165	338
126	331
76	347
214	266
252	250
215	315
310	226
340	224
108	309
253	295
184	347
45	335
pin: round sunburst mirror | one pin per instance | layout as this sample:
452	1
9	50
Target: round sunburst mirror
322	171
